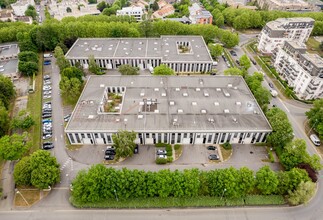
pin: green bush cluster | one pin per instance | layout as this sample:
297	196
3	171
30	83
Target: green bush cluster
229	183
161	161
227	146
177	146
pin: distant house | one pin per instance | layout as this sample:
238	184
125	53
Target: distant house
21	6
25	19
140	3
199	15
136	12
6	15
184	20
165	9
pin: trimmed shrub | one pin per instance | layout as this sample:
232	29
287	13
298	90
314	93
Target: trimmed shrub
160	145
227	146
168	147
177	146
161	161
169	153
169	159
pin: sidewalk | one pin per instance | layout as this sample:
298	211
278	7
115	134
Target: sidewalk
8	188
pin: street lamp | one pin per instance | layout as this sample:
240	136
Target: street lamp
223	192
115	194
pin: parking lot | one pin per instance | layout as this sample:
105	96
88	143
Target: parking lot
193	156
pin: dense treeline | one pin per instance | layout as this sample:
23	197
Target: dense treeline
100	183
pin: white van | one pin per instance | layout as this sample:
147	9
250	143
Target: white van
315	140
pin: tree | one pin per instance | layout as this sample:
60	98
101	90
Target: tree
302	194
72	72
233	71
163	70
7	92
25	42
282	129
28	68
229	39
61	61
245	62
263	97
22	121
154	6
128	70
101	6
26	56
22	172
93	66
92	1
266	181
71	88
13	147
31	11
123	141
4	120
315	117
289	180
215	50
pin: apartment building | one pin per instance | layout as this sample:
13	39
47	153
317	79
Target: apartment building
303	71
184	54
199	15
168	109
287	5
136	12
275	33
21	6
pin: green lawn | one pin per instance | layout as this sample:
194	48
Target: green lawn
202	201
313	46
34	107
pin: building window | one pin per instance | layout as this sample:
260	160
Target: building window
248	135
71	138
165	137
82	135
209	138
179	138
235	135
147	135
89	135
185	135
109	138
77	138
223	137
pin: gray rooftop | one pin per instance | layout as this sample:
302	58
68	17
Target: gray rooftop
184	103
9	66
9	49
279	24
164	48
314	59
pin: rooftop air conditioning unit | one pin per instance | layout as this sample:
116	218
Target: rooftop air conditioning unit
226	111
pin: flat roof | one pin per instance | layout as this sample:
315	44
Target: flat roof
279	23
164	48
9	66
314	59
9	49
183	103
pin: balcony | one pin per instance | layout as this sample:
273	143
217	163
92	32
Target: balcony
312	87
309	92
312	83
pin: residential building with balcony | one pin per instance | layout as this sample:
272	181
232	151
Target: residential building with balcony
188	110
287	5
275	33
302	71
136	12
199	15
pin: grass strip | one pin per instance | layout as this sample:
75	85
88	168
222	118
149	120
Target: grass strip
229	58
264	200
171	202
34	107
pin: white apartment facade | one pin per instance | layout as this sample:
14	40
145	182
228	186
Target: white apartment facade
21	6
287	5
136	12
302	71
275	33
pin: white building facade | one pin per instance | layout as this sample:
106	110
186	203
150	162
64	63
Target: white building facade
275	33
134	11
168	109
184	54
302	71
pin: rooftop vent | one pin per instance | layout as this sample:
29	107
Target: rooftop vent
238	103
85	43
180	111
126	42
255	112
197	89
226	111
206	94
210	120
234	119
125	120
91	117
167	51
156	89
101	85
163	94
155	48
87	49
141	42
235	88
140	116
155	42
175	120
110	48
226	94
216	103
117	119
185	94
139	48
201	81
194	103
141	103
177	89
203	111
171	103
124	48
99	49
218	89
156	111
229	85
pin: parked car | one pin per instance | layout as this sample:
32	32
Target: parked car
271	85
46	115
213	157
211	147
109	157
47	96
136	150
67	117
47	92
238	62
233	53
110	152
46	77
48	146
47	136
161	152
162	156
47	120
254	62
316	141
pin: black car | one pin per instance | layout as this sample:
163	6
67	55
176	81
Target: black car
237	61
109	157
224	59
252	61
46	115
48	146
233	53
136	150
213	74
271	85
213	157
110	152
211	147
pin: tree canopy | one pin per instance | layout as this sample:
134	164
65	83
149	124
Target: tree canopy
163	70
4	119
245	62
7	91
22	121
315	117
128	70
13	147
124	143
215	50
